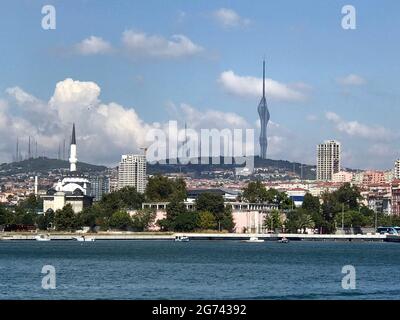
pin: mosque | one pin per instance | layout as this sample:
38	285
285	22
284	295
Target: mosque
73	189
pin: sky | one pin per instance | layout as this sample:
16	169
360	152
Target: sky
120	68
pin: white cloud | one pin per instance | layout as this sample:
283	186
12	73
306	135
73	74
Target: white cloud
104	130
212	118
357	129
351	80
252	87
229	18
141	44
20	96
93	45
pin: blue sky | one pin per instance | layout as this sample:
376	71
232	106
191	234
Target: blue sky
326	82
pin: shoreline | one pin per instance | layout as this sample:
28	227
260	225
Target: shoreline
18	236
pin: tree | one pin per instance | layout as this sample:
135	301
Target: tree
311	203
346	198
174	209
330	207
312	206
227	222
5	215
180	192
349	196
206	221
25	212
211	202
273	220
65	219
41	222
45	221
352	218
142	219
130	198
125	198
255	192
186	221
299	220
280	198
160	188
88	216
120	220
214	204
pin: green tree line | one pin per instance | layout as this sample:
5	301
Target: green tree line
326	213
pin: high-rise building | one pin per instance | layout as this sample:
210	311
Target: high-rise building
264	118
397	169
100	185
132	172
328	160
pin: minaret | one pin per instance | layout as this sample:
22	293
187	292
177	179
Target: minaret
72	155
264	118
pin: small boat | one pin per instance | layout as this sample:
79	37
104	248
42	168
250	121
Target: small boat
42	237
181	239
284	240
83	238
254	239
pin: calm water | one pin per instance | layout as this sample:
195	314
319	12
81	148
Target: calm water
198	270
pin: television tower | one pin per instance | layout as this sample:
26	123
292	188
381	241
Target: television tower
264	118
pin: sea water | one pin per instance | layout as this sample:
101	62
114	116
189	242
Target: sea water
199	270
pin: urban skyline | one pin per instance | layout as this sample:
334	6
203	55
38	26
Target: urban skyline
339	99
145	157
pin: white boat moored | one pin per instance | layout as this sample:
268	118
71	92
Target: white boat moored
181	239
254	239
284	240
42	237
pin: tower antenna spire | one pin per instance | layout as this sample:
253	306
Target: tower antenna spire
264	78
264	118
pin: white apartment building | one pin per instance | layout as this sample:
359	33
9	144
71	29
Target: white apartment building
132	172
328	160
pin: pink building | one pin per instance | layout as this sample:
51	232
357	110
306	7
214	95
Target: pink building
342	177
374	177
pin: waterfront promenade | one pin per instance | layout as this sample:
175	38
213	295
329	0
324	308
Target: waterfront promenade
205	236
